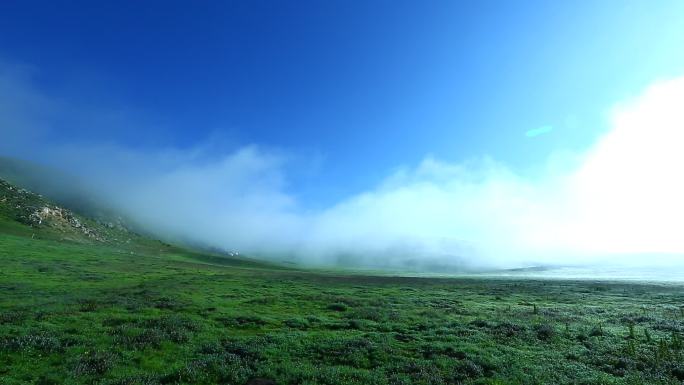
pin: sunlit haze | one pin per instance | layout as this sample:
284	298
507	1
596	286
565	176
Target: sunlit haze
421	139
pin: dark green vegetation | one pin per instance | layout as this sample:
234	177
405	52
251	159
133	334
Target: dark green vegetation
128	310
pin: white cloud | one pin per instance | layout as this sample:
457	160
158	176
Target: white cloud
622	196
629	190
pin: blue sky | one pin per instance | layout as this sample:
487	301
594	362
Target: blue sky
357	88
361	127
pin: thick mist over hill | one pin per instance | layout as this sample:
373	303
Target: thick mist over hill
616	202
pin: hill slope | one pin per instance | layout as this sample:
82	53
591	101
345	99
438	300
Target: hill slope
49	220
58	186
82	309
27	214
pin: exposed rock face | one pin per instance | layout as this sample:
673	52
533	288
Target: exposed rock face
46	213
59	217
33	210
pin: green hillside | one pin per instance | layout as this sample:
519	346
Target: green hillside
28	214
88	303
68	190
47	220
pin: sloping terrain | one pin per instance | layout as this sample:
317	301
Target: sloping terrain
82	309
61	187
25	213
50	220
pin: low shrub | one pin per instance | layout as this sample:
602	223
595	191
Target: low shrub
35	341
243	322
545	332
337	306
297	323
93	362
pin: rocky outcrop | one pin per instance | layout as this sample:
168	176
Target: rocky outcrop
61	218
33	210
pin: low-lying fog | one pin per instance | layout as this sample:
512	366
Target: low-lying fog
624	195
611	272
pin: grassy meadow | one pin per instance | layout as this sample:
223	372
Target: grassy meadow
75	313
102	305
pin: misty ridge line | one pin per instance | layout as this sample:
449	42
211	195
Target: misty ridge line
618	201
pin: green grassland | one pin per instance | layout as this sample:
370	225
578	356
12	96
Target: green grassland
131	310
